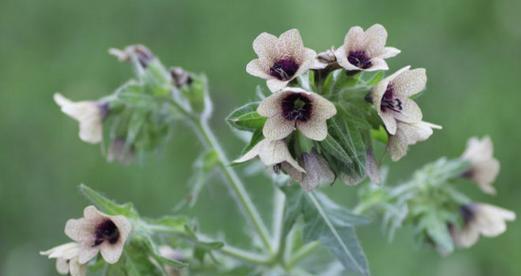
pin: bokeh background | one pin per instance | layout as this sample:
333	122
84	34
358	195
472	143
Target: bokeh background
471	49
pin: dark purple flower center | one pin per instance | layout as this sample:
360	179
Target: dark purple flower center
284	69
106	231
359	59
296	107
389	101
467	213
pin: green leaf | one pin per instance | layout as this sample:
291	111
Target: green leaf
324	222
329	223
374	78
246	118
107	205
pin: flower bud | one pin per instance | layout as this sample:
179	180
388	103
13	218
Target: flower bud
180	77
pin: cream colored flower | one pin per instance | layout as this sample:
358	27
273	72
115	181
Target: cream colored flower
281	59
138	53
295	108
98	232
317	172
391	97
271	153
365	50
481	219
408	134
484	167
326	59
89	114
66	256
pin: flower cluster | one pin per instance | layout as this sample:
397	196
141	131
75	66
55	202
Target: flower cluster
95	233
443	216
315	111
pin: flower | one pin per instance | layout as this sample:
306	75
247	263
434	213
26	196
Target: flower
119	151
317	172
481	219
391	97
295	108
408	134
326	59
98	232
280	60
134	53
89	114
271	153
365	50
483	166
66	256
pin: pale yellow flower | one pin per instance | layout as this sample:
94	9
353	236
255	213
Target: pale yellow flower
365	51
484	167
89	115
98	232
66	256
391	97
408	134
280	60
271	153
481	219
295	108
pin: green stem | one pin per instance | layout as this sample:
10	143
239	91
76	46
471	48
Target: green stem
303	252
208	138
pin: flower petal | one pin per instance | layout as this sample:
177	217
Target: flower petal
354	39
256	68
290	43
376	37
377	64
86	253
111	252
390	52
265	46
270	106
275	152
277	128
410	113
275	85
323	108
410	82
314	129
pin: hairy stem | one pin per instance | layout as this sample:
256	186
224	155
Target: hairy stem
208	138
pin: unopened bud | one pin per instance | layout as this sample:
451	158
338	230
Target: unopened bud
141	53
180	77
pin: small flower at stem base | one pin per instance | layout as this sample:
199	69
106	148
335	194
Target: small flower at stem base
480	219
484	168
280	60
295	108
98	232
391	100
408	134
271	153
66	256
89	114
317	172
365	51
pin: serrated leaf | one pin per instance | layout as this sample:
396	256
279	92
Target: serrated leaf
339	236
107	205
246	118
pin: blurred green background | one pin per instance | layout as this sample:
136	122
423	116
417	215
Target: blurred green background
471	49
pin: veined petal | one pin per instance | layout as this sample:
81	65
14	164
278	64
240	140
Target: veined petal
376	37
277	128
111	252
410	113
290	42
270	106
265	46
379	64
354	39
410	82
256	68
313	129
276	152
389	52
275	85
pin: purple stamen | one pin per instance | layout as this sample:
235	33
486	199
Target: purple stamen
359	59
296	107
389	101
284	69
106	231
